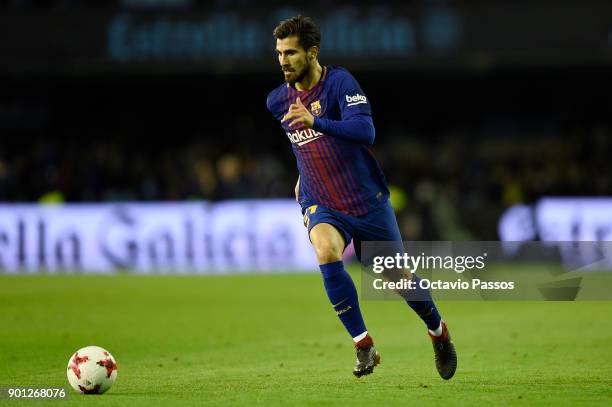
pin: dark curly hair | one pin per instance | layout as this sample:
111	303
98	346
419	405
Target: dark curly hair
304	28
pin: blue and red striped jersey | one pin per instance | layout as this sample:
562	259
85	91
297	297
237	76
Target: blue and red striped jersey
338	172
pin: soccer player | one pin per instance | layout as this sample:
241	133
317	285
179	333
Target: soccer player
341	188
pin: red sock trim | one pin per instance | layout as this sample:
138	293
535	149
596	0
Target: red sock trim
443	335
365	342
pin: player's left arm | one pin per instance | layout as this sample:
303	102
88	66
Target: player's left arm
357	128
356	121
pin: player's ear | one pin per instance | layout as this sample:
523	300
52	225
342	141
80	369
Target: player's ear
313	52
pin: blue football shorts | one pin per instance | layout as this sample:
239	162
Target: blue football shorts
378	225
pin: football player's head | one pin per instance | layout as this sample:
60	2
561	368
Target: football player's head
297	46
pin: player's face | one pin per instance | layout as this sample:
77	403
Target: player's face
293	59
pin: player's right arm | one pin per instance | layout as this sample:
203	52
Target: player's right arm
356	123
269	105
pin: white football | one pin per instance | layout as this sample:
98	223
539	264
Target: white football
92	370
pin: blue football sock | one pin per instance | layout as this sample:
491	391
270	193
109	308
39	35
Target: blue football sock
343	296
421	302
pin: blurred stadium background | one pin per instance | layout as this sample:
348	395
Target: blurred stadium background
135	137
478	106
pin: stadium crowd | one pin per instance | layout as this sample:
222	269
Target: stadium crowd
442	187
457	148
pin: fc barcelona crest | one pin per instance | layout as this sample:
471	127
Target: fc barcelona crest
315	108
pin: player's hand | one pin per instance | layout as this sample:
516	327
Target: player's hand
298	114
297	189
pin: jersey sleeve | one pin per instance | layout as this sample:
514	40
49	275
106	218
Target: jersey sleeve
274	105
352	99
355	124
270	102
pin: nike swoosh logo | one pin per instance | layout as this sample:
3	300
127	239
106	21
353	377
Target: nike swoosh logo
335	305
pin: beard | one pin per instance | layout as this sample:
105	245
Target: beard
298	76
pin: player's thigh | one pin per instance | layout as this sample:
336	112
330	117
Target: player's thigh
328	242
317	214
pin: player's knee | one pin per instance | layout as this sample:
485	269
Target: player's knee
397	275
328	252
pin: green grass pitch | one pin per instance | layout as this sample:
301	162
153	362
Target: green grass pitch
274	340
